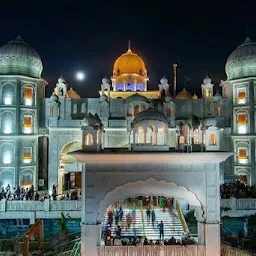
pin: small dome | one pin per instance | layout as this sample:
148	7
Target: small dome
19	58
209	121
163	80
136	97
129	63
242	61
183	95
54	97
105	80
194	97
207	80
150	114
61	80
71	94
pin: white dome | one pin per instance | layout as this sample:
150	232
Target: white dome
242	61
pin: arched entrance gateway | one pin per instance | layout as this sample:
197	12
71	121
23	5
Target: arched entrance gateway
111	176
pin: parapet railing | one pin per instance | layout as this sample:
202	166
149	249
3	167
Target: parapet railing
46	205
163	250
239	203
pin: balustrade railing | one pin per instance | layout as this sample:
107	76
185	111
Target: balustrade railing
46	205
239	203
156	250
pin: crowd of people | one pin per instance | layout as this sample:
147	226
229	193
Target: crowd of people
238	190
29	193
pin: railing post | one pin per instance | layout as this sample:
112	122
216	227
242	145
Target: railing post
3	205
233	203
47	205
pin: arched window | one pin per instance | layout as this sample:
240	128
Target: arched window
7	122
241	95
140	87
75	109
27	121
28	95
196	136
8	94
83	108
7	153
27	154
136	110
119	87
150	136
242	153
27	178
219	110
51	111
140	136
212	139
185	133
130	87
241	118
171	112
88	140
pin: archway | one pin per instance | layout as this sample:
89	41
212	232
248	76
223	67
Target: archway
68	165
151	187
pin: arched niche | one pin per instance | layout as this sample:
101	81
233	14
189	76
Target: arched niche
28	95
7	122
66	158
150	187
242	152
8	94
7	153
88	139
27	122
6	177
245	172
26	178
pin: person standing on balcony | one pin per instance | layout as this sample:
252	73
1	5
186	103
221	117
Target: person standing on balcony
148	215
160	227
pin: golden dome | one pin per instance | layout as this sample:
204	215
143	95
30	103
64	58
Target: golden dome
129	63
195	97
71	94
183	95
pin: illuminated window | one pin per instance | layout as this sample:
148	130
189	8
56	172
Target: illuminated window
196	136
28	92
242	153
8	94
219	110
27	121
27	153
7	122
136	110
119	87
241	93
171	112
212	139
185	133
241	118
26	180
139	87
129	87
51	111
140	136
88	140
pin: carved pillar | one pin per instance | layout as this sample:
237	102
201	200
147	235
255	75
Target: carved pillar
155	139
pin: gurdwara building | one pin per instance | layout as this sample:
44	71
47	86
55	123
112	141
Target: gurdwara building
38	133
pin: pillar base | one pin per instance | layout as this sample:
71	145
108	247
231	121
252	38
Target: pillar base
209	235
90	238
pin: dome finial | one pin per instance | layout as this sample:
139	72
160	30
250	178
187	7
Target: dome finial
19	38
129	46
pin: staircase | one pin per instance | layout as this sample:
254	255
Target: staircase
172	224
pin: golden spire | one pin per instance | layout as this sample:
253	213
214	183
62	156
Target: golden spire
129	46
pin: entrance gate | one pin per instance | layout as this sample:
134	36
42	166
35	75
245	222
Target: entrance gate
108	178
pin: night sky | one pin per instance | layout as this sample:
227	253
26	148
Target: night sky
89	37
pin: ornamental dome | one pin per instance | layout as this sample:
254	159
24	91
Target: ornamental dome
19	58
136	97
194	97
129	63
183	95
242	61
150	114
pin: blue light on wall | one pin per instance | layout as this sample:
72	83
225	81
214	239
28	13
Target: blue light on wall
130	87
119	87
140	87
